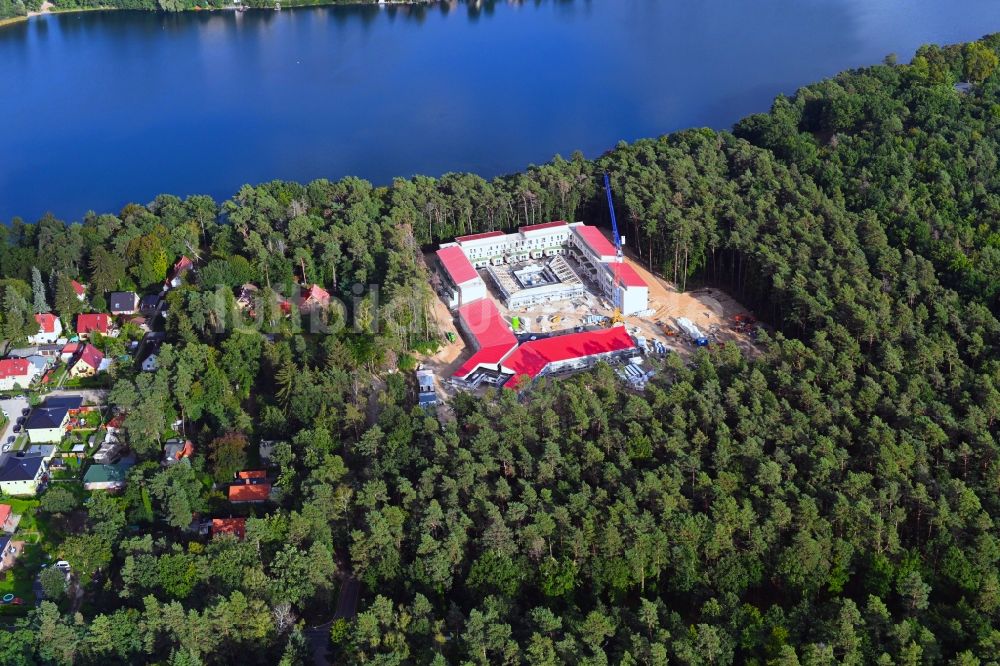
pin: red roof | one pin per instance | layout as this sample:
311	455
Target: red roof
532	357
236	526
13	367
244	492
475	237
627	274
252	474
4	513
595	240
70	348
183	264
539	227
186	451
492	336
86	323
91	355
457	264
46	322
78	288
315	294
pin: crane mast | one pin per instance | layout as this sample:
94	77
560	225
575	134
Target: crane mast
619	255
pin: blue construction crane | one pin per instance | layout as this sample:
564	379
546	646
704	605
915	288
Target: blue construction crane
614	220
616	318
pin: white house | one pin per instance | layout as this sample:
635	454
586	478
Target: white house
21	473
47	423
49	329
16	372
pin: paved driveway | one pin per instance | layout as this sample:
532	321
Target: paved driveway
12	409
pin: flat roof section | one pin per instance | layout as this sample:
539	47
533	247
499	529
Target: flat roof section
457	264
540	227
627	275
532	357
595	240
475	237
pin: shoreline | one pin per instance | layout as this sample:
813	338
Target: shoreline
15	20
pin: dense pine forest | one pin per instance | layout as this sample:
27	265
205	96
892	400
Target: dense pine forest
832	501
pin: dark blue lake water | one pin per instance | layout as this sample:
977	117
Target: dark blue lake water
102	108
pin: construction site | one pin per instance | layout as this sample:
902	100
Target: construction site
557	298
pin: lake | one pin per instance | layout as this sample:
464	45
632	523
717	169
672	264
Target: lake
103	108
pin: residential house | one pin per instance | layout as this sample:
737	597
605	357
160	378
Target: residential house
150	303
86	324
235	526
246	297
8	519
123	302
49	329
110	450
47	423
314	298
48	351
107	477
88	362
175	451
149	351
21	473
16	373
177	273
79	289
9	550
249	492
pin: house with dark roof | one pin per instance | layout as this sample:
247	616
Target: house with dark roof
123	302
47	422
150	303
20	474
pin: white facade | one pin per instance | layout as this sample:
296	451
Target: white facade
15	381
45	435
594	254
47	338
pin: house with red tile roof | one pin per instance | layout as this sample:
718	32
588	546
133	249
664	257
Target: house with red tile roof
79	289
176	276
235	526
87	362
87	324
16	372
249	492
7	518
314	298
49	329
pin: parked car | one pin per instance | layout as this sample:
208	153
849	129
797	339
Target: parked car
26	410
20	420
17	428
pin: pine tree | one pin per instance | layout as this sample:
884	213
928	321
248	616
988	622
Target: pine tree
41	304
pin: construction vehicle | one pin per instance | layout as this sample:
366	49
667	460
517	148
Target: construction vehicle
556	318
451	336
